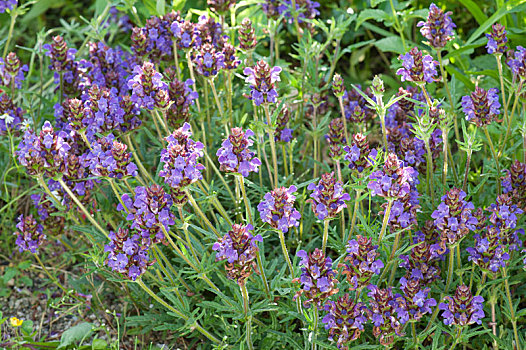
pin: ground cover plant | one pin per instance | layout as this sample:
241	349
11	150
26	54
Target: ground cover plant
275	174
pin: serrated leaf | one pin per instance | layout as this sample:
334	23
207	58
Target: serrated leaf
376	14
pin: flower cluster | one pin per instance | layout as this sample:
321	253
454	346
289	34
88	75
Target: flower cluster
422	263
49	214
240	250
361	262
356	107
514	184
220	6
481	107
345	320
108	158
146	84
318	279
438	28
208	60
488	253
414	301
384	310
7	5
394	181
336	138
247	35
282	133
337	85
504	217
417	68
277	209
327	198
518	63
148	211
463	308
182	96
30	234
453	217
307	9
128	254
359	155
11	71
11	116
180	158
261	79
235	155
497	39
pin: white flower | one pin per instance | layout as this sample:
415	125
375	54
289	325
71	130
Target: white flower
8	118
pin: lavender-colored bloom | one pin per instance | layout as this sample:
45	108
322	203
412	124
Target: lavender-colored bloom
336	138
148	211
453	217
361	262
11	71
414	302
183	97
146	83
345	320
282	133
240	250
220	6
231	62
128	254
208	31
514	184
422	263
504	217
261	79
108	157
277	209
488	253
417	68
7	5
497	39
356	107
208	61
235	155
438	28
394	181
359	155
337	85
463	308
327	198
384	307
403	211
318	279
481	107
30	234
307	9
518	63
11	116
180	157
247	35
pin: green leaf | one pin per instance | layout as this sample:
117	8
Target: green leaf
452	70
10	273
27	327
75	334
378	15
475	10
510	7
161	7
390	44
374	3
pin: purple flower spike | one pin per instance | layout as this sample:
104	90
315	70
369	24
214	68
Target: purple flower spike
7	5
417	68
463	308
11	71
359	155
497	39
128	254
384	309
361	262
240	250
327	198
208	61
180	158
414	302
30	234
488	253
261	79
282	133
394	181
514	184
345	320
481	107
518	63
235	155
422	263
318	279
146	83
277	209
438	28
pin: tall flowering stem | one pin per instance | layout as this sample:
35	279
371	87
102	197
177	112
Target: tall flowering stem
339	91
495	158
200	212
386	220
450	99
512	310
272	144
248	318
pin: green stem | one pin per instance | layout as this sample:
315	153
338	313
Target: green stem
14	14
429	163
285	252
498	57
517	95
200	213
512	311
457	338
52	197
495	158
248	318
466	172
180	314
385	220
342	111
272	144
397	25
445	132
143	170
53	278
315	327
384	132
325	234
355	212
296	23
176	61
446	86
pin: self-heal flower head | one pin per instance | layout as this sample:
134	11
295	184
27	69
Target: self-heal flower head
356	107
182	95
30	234
235	155
336	138
44	153
481	107
208	31
403	210
307	9
7	5
11	116
394	180
454	216
438	28
488	253
220	6
231	61
463	308
384	308
318	279
180	157
518	63
11	71
417	68
413	302
247	35
208	61
282	133
422	262
108	157
128	254
345	320
146	83
514	184
148	210
497	39
277	209
328	198
503	218
337	85
358	153
238	247
262	81
361	262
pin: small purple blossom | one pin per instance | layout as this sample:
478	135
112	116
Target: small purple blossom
328	198
208	61
235	155
277	209
417	68
394	181
11	71
30	234
384	308
518	63
361	262
262	79
463	308
359	155
146	83
7	5
414	301
481	107
438	28
422	262
497	39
